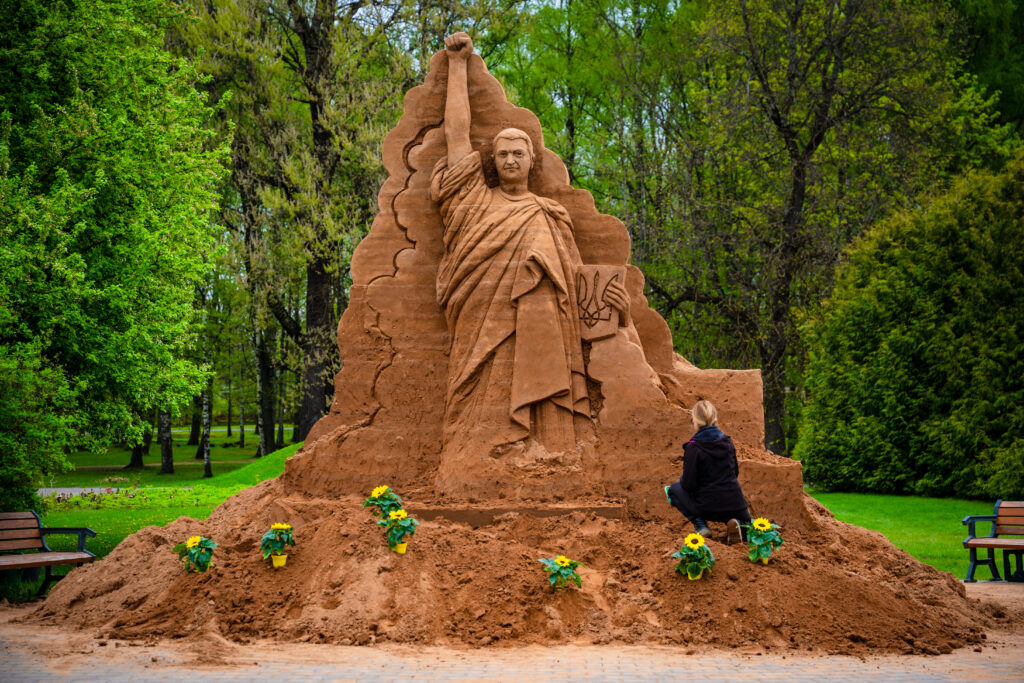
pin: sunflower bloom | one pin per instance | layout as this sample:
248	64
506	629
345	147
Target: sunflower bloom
379	491
694	541
398	515
762	524
192	542
562	561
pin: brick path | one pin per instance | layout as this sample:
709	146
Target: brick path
30	654
24	659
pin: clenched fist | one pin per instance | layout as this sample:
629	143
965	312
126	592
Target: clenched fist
458	46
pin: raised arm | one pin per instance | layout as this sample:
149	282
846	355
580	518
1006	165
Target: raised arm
459	47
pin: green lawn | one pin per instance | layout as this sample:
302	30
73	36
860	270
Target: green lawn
927	528
107	469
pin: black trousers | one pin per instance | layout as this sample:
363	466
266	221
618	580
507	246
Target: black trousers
683	501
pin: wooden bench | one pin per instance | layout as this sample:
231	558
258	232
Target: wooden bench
25	531
1007	519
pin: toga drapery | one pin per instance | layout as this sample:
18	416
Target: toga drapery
506	284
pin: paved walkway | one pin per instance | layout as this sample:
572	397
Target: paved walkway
287	662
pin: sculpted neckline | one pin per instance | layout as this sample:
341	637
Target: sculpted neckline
513	197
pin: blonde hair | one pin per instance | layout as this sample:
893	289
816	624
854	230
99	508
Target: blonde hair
515	134
704	414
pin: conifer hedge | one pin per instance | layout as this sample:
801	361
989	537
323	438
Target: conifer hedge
916	371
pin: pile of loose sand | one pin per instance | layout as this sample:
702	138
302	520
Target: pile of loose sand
831	588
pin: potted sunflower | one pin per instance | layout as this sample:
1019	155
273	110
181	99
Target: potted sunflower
196	553
275	542
763	537
694	557
397	526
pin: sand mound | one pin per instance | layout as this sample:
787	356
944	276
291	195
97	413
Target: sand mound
834	588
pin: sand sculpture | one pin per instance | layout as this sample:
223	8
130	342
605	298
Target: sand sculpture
492	500
497	342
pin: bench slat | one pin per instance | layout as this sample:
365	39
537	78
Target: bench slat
1010	521
43	559
17	515
19	524
8	534
1011	504
21	545
995	543
1015	514
1012	530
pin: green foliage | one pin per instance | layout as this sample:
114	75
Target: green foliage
561	571
916	371
277	540
694	557
196	553
763	537
995	52
35	422
107	175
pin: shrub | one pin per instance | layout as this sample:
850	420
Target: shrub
916	366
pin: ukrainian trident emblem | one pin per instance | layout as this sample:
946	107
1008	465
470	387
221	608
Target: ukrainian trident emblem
598	318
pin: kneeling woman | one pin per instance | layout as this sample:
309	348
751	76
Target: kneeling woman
709	489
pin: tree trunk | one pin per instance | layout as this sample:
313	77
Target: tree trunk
229	405
775	408
265	394
140	449
204	446
136	460
317	343
166	443
280	421
197	421
204	438
241	415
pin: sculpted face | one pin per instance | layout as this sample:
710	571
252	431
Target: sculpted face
512	159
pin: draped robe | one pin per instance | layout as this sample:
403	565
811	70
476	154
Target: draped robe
507	287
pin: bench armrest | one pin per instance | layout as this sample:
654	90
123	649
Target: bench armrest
974	519
81	531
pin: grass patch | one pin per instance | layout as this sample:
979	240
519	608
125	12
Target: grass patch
927	528
107	469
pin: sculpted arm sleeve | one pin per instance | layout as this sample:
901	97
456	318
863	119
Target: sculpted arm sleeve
456	111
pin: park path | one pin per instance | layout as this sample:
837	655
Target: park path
35	656
28	653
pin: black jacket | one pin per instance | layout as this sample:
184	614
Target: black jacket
709	475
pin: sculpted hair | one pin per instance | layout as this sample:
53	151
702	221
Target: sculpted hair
704	414
515	134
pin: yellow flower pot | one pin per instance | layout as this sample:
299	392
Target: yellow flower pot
764	560
400	548
278	560
696	578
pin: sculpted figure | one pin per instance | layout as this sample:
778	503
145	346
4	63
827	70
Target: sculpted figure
507	285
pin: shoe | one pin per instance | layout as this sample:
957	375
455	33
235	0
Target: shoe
668	497
733	527
701	527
